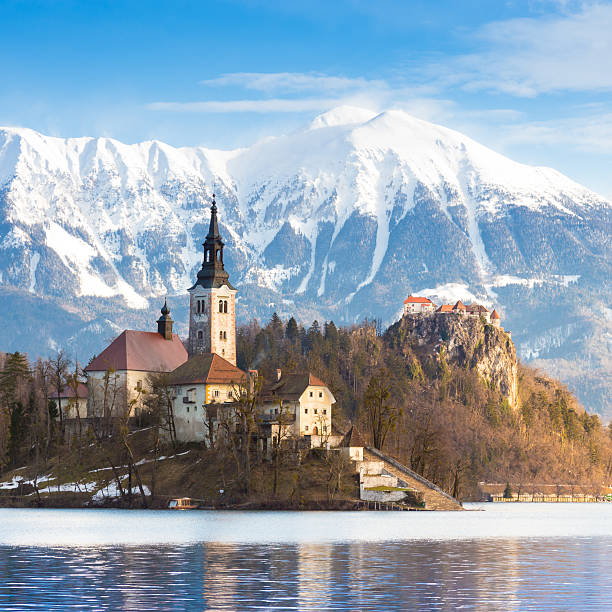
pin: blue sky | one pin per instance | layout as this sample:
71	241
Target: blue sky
531	79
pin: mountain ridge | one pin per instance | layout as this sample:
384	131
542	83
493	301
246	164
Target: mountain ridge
340	219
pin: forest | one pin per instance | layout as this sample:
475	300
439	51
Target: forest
443	421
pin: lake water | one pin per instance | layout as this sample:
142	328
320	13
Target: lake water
503	557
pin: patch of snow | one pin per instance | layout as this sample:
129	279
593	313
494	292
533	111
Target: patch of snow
34	259
451	293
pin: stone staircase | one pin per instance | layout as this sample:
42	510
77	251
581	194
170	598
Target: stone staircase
434	497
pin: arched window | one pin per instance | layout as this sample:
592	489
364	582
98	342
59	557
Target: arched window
225	306
200	335
220	305
220	335
197	306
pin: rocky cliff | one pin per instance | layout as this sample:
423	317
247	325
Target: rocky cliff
467	342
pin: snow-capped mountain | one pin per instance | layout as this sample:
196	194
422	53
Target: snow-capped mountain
341	219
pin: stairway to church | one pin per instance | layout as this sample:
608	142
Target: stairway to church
434	497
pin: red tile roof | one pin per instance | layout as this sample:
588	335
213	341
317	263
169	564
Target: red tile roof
459	306
412	299
494	315
445	308
141	351
208	368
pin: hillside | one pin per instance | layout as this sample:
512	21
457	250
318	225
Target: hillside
339	220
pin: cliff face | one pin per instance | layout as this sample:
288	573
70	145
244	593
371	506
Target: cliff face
467	342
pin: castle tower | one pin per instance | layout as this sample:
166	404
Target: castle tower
212	303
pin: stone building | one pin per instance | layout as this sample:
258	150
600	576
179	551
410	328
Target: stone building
212	302
120	372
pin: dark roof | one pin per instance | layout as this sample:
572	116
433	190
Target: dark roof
207	368
352	438
459	306
142	351
212	274
291	386
68	393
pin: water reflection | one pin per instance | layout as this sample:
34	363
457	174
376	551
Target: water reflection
537	574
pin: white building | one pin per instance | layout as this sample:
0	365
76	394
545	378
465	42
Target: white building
298	405
201	387
418	305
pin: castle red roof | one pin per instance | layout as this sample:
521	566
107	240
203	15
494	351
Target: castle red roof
141	351
445	308
494	315
459	306
412	299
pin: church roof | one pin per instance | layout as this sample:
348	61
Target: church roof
291	386
67	392
141	351
207	368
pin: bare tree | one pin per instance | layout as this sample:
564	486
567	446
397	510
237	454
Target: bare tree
381	414
59	369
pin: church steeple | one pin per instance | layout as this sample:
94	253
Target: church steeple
212	301
213	274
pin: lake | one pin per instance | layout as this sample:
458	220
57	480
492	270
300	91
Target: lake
497	557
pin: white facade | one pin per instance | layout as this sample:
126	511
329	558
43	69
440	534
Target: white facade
418	307
310	415
191	419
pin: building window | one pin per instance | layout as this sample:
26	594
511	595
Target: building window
139	385
216	392
305	410
200	335
311	394
187	408
220	305
316	411
320	393
324	411
220	335
276	411
225	306
305	427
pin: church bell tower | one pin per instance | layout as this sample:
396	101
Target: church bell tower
212	301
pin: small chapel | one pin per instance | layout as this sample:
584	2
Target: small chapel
202	374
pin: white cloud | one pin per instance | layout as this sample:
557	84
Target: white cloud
270	105
527	57
592	133
294	82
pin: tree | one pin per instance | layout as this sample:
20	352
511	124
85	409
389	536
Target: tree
59	371
380	413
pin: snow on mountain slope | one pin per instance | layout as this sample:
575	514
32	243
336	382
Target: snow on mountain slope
340	219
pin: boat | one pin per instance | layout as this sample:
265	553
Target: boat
182	503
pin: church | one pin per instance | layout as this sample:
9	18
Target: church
202	374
